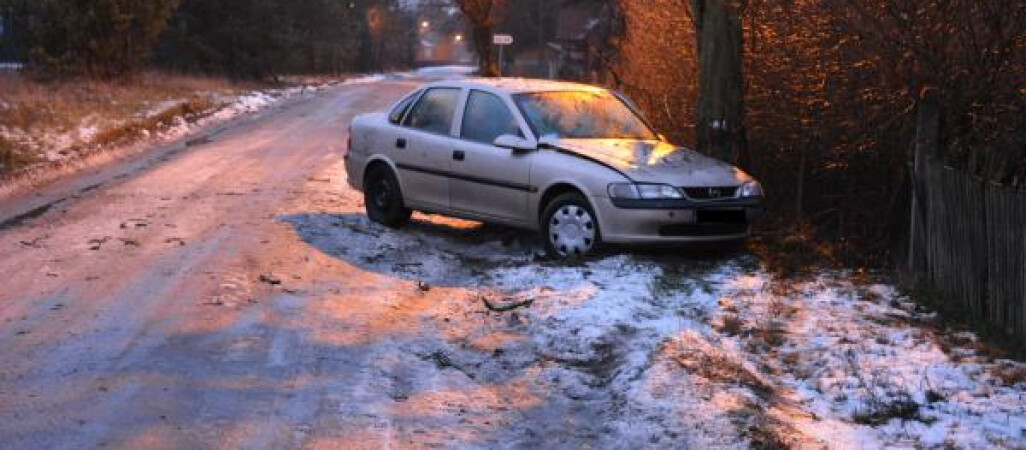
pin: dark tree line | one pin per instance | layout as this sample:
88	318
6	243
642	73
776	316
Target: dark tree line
98	38
237	38
261	38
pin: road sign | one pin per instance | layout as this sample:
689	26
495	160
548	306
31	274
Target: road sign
502	39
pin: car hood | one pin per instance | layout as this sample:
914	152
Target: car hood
657	162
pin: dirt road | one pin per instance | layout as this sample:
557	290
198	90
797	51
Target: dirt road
231	294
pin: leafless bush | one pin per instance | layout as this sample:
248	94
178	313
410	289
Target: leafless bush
883	399
831	97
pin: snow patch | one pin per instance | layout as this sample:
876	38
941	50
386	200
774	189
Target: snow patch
453	70
856	358
366	79
62	145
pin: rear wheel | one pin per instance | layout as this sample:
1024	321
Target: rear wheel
384	199
570	226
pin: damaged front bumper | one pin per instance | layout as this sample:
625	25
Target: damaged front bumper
678	220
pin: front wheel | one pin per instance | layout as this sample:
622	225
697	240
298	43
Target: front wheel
570	226
384	199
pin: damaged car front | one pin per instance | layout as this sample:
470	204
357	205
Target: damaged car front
666	193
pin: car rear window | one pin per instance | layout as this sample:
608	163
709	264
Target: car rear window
400	110
435	110
486	118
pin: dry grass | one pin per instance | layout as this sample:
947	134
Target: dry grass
1010	374
11	157
731	325
33	105
715	366
32	113
189	108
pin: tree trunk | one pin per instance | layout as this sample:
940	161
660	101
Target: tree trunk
486	65
926	149
365	48
721	130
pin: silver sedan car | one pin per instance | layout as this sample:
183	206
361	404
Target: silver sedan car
575	162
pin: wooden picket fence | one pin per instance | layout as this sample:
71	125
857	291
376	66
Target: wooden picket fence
967	235
1006	267
974	245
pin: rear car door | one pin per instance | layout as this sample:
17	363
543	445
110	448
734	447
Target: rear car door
423	148
489	180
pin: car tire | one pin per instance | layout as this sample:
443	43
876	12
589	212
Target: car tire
570	227
383	198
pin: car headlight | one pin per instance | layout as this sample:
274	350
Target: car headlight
633	191
751	189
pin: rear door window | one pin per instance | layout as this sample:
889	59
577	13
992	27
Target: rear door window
435	110
400	110
486	118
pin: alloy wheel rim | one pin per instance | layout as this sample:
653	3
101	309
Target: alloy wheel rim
572	230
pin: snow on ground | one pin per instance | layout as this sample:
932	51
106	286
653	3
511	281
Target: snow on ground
434	73
667	350
232	107
366	79
452	70
859	359
61	145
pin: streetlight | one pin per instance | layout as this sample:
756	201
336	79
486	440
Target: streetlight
458	38
425	24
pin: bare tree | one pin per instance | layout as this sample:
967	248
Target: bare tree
484	15
721	130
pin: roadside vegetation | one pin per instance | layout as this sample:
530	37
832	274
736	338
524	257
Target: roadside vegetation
51	121
104	73
831	94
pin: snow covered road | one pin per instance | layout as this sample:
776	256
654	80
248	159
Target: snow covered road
232	294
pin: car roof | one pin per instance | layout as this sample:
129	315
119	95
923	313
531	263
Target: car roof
516	85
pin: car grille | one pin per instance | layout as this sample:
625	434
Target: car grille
711	193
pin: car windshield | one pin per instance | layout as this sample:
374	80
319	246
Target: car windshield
582	115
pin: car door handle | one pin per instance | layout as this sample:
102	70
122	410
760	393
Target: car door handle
459	155
400	143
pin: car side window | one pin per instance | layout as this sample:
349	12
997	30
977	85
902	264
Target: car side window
486	118
435	110
400	110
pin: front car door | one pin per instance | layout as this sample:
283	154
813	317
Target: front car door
424	146
489	181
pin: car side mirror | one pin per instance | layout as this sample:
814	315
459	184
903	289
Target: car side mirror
515	143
